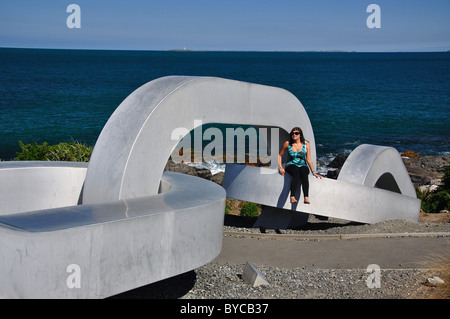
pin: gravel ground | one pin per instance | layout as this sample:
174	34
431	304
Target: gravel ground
224	281
332	226
215	281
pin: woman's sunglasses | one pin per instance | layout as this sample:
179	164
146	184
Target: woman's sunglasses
295	133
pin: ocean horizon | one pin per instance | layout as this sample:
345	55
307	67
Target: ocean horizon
222	50
397	99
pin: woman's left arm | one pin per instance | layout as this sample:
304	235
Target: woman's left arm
309	161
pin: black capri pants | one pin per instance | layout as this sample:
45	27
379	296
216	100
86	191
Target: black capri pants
298	174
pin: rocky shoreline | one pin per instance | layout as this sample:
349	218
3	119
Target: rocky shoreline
426	170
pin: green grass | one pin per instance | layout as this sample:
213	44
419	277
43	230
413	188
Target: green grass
249	210
67	151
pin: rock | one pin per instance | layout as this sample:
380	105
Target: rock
428	188
410	154
253	277
338	161
333	174
203	173
426	170
199	172
336	165
434	281
218	178
180	168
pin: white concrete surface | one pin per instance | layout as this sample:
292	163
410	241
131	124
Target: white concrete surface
27	186
117	246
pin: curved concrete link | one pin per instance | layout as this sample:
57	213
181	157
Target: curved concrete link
134	146
331	198
117	246
377	166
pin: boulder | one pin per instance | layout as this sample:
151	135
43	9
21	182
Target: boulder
180	168
199	172
336	165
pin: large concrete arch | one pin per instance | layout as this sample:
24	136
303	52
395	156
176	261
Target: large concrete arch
133	148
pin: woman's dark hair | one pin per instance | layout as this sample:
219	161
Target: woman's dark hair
302	137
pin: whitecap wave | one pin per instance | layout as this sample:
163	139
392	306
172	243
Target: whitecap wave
213	166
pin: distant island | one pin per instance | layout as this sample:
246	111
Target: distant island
305	51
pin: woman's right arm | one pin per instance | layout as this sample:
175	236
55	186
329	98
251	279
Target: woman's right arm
280	157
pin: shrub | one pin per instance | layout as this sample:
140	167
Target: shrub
72	152
249	210
410	154
446	180
435	201
32	152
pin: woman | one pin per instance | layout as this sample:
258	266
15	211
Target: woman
297	165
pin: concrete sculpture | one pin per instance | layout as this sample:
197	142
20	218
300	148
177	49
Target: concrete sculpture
373	186
70	230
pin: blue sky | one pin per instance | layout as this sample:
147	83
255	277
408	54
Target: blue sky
255	25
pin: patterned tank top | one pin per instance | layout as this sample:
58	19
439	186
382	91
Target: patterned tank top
297	158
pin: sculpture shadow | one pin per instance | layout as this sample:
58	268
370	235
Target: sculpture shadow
324	225
239	221
171	288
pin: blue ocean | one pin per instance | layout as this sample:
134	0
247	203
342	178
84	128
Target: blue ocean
393	99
